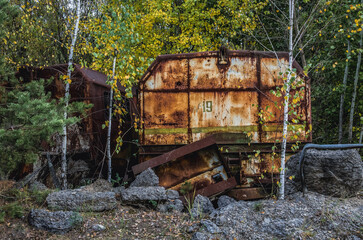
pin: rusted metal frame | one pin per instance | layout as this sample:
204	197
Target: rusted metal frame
253	89
218	187
169	156
259	84
200	90
190	134
231	53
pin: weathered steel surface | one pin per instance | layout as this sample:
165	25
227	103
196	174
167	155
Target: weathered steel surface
186	97
200	164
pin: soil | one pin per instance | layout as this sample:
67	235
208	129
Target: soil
124	222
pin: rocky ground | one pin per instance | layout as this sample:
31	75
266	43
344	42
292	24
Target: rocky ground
145	210
314	216
123	222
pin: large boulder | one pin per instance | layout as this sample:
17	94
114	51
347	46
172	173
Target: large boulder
56	222
137	194
78	200
147	178
331	172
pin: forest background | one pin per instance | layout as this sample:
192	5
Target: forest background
327	37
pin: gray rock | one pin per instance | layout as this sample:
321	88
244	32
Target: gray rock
172	194
147	178
331	172
201	206
225	200
200	236
134	194
210	226
56	222
98	228
78	200
193	228
37	186
171	205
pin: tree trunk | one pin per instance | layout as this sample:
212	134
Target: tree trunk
342	96
66	99
356	78
110	124
286	101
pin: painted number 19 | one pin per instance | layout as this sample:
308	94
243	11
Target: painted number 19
207	106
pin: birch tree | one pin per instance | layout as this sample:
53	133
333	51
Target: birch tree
356	78
66	97
342	96
287	84
109	158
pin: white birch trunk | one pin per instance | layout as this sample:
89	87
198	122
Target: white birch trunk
66	99
110	124
356	78
286	102
342	96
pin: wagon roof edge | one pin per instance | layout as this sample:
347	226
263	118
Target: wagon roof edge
233	53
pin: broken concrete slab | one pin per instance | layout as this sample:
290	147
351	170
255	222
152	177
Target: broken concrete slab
135	194
147	178
56	222
78	200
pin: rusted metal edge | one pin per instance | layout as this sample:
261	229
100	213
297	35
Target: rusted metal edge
231	53
218	187
250	89
174	154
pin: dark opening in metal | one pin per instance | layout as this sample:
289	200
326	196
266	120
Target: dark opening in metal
223	55
217	178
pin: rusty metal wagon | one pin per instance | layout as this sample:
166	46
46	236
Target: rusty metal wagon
184	98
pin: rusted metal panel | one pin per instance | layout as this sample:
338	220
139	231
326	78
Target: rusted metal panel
169	75
200	164
218	112
217	188
172	155
205	73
